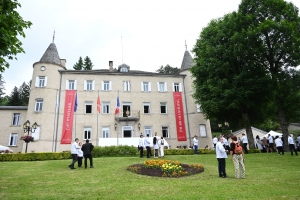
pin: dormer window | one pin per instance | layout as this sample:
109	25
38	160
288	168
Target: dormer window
124	69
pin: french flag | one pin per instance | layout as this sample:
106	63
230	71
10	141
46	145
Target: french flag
118	106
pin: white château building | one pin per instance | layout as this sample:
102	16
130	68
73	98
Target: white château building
148	103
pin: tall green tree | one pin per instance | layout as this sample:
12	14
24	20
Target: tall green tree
271	32
87	65
168	70
24	92
226	86
78	65
14	98
12	25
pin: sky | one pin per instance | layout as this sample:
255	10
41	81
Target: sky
141	33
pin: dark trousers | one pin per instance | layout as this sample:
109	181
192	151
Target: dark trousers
148	151
245	147
79	161
292	148
88	156
271	146
75	158
141	149
222	167
280	149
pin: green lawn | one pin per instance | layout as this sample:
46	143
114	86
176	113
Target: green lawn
268	176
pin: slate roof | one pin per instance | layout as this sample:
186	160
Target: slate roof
187	61
51	55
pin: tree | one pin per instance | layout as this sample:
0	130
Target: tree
1	88
79	64
24	92
168	70
14	99
272	30
12	25
225	85
88	65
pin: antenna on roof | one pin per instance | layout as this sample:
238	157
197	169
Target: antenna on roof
122	48
53	36
185	46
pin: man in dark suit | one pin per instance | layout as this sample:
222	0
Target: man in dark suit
87	149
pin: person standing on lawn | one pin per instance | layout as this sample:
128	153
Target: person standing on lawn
271	143
221	154
195	140
87	149
74	153
215	140
161	144
147	144
80	154
279	145
141	146
292	145
238	159
245	142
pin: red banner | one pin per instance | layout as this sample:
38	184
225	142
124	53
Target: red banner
66	137
179	116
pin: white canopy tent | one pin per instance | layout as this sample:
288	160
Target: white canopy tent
4	148
273	133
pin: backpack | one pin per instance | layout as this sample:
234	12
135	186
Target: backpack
238	149
154	140
162	142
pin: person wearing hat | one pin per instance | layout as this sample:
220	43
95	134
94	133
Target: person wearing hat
195	144
87	149
74	152
141	146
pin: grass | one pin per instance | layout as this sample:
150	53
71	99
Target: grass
268	176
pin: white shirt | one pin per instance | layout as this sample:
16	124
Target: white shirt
220	151
290	140
141	142
74	148
195	142
215	140
244	139
270	138
147	142
225	142
278	142
160	141
79	152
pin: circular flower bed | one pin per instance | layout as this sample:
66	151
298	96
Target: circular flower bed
165	168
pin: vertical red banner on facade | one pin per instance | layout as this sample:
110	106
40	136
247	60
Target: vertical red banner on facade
179	116
66	136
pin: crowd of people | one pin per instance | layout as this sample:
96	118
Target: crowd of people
158	146
78	151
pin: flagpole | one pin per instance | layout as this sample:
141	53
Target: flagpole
97	138
118	100
56	106
76	100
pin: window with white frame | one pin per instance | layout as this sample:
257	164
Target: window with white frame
106	85
88	106
71	84
105	107
162	86
127	86
39	105
87	133
13	139
148	130
165	131
105	132
88	85
198	107
177	87
202	129
146	107
124	69
163	107
146	86
41	81
16	119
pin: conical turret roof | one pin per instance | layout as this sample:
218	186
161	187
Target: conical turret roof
51	55
187	61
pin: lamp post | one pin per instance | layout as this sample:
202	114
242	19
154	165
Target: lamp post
27	129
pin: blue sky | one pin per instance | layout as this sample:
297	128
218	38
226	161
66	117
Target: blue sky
143	34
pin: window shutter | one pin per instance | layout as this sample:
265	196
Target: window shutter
75	85
85	85
149	86
109	85
37	81
142	88
93	85
67	84
46	78
102	85
124	85
180	88
173	89
165	86
128	85
158	87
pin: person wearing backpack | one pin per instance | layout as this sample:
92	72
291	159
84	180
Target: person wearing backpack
237	156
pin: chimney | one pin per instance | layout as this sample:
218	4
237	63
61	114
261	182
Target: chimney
110	65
